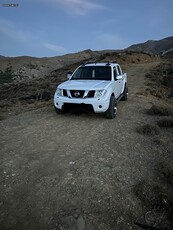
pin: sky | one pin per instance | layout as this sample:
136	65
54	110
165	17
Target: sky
47	28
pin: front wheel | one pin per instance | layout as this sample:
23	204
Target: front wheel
112	110
58	111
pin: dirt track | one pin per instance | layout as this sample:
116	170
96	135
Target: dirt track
82	172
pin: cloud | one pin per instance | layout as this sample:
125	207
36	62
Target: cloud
78	7
82	7
55	48
8	29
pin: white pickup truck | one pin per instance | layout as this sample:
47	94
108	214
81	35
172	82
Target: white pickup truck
94	86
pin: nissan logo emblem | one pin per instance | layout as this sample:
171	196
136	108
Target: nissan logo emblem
77	94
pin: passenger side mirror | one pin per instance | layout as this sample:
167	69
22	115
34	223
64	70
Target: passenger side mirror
119	77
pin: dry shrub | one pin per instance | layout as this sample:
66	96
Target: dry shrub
157	203
142	93
162	79
166	122
2	117
160	110
166	171
42	104
148	129
157	141
156	197
158	92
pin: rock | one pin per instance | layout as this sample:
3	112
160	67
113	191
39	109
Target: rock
74	224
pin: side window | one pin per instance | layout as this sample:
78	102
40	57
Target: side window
119	71
115	73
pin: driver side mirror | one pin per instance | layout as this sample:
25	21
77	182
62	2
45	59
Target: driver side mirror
69	75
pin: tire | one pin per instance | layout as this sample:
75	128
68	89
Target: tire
112	110
125	93
58	111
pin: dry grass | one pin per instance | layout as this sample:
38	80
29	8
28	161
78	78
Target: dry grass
160	110
166	122
148	129
160	81
157	197
159	92
167	172
142	92
2	117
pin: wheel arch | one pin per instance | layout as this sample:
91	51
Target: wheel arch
124	85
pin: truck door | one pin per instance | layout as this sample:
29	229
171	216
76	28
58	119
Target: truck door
118	83
120	74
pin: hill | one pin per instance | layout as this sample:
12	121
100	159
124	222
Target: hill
25	68
163	47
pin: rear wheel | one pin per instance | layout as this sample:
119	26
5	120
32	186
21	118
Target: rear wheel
112	110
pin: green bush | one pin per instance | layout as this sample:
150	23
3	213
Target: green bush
7	75
32	66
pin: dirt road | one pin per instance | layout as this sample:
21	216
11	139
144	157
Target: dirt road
83	172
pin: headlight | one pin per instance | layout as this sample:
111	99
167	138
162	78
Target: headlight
100	93
59	92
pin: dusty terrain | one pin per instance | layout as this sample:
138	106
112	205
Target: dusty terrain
86	172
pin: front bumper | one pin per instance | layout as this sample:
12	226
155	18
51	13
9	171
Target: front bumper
100	105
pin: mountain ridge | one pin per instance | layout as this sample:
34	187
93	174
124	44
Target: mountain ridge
26	67
158	47
163	47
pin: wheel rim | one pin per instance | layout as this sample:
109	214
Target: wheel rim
115	110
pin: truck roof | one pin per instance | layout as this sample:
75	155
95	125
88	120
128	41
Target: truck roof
100	64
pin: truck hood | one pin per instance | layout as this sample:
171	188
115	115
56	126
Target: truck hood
84	85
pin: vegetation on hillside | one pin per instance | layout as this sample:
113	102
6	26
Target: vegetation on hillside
7	75
160	81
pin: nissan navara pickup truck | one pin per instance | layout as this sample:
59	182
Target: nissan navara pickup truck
93	86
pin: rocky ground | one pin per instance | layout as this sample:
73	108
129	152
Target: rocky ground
83	171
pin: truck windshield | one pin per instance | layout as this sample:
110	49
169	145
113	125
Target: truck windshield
93	73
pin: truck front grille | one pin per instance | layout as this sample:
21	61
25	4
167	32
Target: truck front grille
77	93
